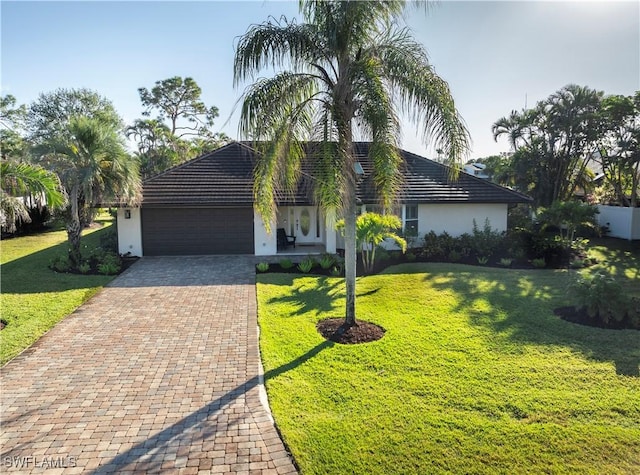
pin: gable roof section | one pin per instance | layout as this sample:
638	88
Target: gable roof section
426	181
224	177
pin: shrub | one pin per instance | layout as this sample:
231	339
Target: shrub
60	263
336	270
84	268
568	216
326	261
602	297
539	263
109	240
432	245
506	262
286	263
382	254
262	266
410	256
482	260
554	250
109	264
306	265
108	268
454	256
578	263
486	242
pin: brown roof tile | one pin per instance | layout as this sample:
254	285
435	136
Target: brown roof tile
224	177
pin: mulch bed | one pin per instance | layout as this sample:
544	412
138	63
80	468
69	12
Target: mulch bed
581	317
334	329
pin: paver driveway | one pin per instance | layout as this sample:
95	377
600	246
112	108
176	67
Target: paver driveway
156	373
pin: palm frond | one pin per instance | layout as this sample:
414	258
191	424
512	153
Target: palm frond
275	45
19	179
424	96
379	119
13	210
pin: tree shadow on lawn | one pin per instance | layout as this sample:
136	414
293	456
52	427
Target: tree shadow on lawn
619	255
319	299
30	274
521	307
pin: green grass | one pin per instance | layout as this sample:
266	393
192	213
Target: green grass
474	375
34	298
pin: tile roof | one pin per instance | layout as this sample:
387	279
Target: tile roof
224	177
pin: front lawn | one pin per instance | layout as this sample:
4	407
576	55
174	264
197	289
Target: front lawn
34	298
474	375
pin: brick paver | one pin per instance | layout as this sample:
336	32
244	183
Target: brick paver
158	373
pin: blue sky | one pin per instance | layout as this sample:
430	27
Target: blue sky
496	56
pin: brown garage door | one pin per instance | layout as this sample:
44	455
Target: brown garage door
194	231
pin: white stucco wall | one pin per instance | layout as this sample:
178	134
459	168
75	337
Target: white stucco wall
265	244
457	219
622	222
129	232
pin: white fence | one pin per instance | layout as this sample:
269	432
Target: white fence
622	222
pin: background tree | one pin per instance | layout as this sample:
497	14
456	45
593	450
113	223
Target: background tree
340	73
12	117
182	129
619	146
90	159
48	117
553	143
499	168
157	148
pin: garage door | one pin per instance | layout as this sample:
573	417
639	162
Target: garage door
195	231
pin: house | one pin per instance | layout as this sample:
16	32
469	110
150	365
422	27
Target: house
205	206
476	169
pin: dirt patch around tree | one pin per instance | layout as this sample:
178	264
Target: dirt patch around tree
581	317
334	329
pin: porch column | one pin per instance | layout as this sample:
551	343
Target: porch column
265	244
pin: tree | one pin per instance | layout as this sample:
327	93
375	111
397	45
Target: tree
371	230
340	73
18	181
12	117
182	128
157	148
619	146
499	168
553	143
90	159
48	117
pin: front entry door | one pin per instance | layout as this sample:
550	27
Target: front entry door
306	225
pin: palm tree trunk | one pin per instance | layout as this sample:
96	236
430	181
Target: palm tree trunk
350	208
350	255
74	229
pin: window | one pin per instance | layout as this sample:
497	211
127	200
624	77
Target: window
411	220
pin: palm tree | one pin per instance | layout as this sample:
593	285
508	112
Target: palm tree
19	181
556	138
341	72
93	168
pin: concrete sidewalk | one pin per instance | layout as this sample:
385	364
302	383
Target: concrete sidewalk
158	373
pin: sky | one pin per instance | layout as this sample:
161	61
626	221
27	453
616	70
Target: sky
496	56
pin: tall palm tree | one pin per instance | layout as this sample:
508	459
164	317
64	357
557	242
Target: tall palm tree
556	138
93	168
19	181
341	73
